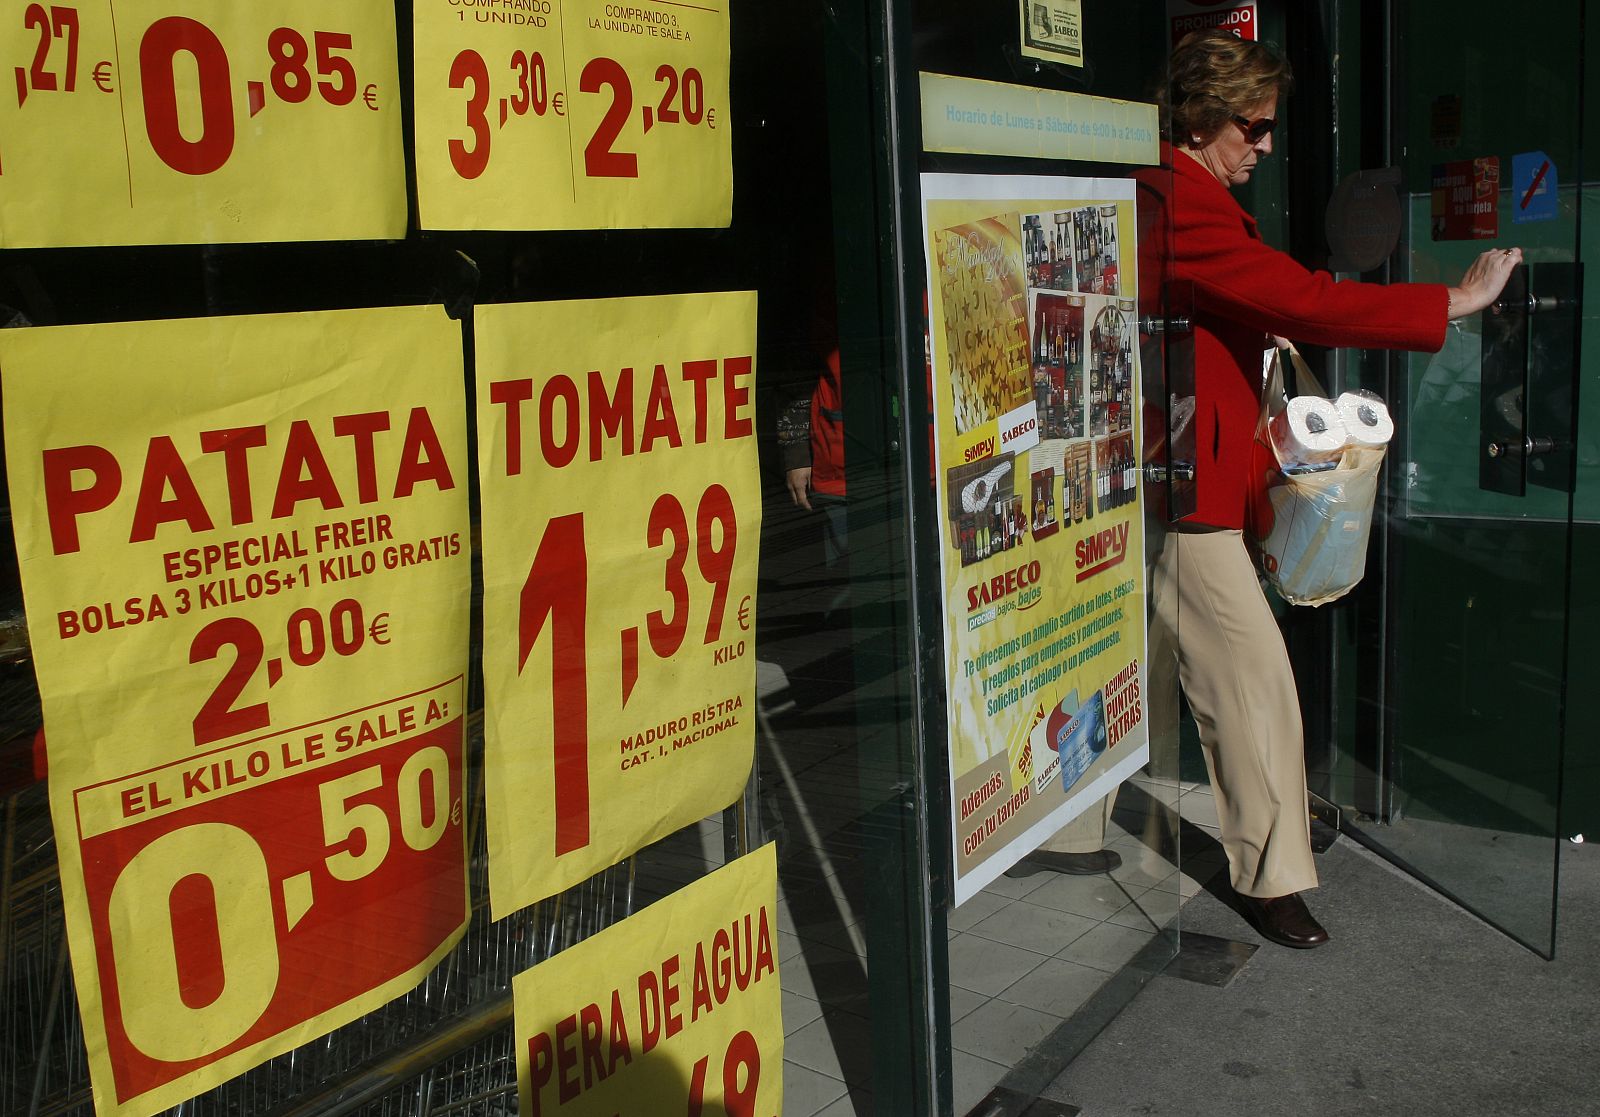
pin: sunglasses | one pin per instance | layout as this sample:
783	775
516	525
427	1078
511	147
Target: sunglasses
1255	130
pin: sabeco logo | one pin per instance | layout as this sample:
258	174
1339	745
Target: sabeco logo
1021	429
1004	585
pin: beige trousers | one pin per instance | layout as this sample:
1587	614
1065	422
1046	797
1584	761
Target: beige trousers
1084	834
1207	607
1236	674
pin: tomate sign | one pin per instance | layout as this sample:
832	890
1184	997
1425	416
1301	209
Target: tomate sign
248	575
621	509
172	122
573	114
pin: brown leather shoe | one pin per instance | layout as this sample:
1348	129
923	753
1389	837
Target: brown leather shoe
1283	920
1076	864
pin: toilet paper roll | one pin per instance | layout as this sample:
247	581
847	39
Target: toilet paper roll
1366	419
1308	430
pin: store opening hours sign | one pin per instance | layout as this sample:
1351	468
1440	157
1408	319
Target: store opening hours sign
248	579
171	122
573	114
621	511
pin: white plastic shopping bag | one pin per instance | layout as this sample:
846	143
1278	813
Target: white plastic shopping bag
1311	523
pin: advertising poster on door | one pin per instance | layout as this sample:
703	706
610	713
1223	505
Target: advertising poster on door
1465	202
1052	30
674	1010
621	511
573	114
178	122
1034	331
244	555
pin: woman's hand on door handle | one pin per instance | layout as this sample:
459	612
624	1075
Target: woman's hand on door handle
1485	279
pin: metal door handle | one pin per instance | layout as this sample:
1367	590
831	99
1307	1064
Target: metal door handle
1526	377
1531	447
1155	473
1536	304
1151	326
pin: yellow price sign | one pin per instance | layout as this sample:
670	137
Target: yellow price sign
573	114
674	1010
248	601
177	122
621	512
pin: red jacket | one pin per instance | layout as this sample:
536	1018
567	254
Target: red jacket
1243	291
827	430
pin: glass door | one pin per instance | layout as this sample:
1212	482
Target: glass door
1477	556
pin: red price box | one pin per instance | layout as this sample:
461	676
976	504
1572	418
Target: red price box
224	891
555	114
171	122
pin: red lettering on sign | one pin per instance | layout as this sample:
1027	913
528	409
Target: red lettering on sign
361	430
163	468
1101	551
1002	585
172	490
421	457
616	408
234	444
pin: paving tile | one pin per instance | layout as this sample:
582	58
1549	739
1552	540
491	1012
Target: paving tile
1199	807
964	1001
973	1078
851	939
985	966
1015	888
1002	1032
806	1091
788	946
1033	927
1151	911
857	1103
1098	896
1192	881
1142	867
837	1044
1058	987
823	972
798	1011
1107	947
815	911
981	906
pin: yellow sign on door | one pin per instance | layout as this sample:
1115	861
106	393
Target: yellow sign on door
573	114
621	514
1034	328
181	122
244	553
674	1010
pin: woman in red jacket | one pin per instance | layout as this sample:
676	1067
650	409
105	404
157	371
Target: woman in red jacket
1221	97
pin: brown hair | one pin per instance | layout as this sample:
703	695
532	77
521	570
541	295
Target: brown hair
1213	74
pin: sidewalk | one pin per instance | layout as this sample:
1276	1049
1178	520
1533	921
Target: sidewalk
1415	1007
